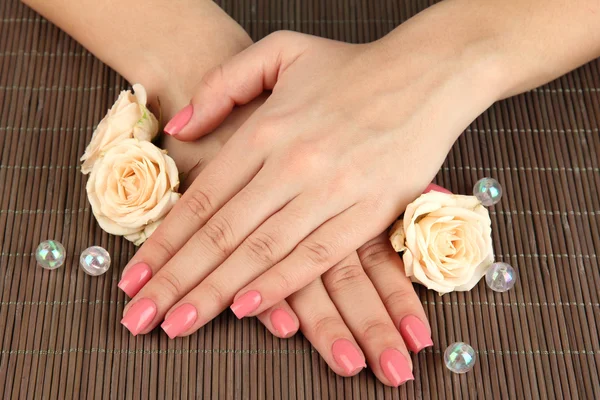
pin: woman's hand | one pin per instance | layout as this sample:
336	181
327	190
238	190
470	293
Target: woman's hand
363	307
342	313
328	162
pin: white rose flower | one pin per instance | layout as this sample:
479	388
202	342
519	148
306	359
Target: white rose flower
446	240
127	118
132	188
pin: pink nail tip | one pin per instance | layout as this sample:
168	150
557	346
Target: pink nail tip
180	120
135	278
415	334
283	323
180	320
246	304
347	356
139	316
395	367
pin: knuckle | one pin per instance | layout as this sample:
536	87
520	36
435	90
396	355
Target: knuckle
163	244
168	282
198	204
345	278
286	283
324	325
374	329
214	292
262	248
213	77
376	254
401	299
219	234
317	253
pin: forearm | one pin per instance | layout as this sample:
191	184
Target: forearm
166	45
516	44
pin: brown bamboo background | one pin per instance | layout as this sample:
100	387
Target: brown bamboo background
60	336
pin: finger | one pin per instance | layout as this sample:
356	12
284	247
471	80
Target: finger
323	326
322	249
236	82
267	245
385	270
205	250
231	170
361	308
280	319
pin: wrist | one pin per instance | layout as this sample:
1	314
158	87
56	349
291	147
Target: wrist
172	70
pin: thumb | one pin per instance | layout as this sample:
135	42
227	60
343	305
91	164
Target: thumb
235	82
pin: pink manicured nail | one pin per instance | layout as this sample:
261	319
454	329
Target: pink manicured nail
415	334
347	356
283	323
180	320
180	120
139	316
432	187
395	367
135	278
246	304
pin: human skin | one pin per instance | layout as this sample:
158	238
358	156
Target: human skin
337	312
349	136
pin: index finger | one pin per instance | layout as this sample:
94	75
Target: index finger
226	175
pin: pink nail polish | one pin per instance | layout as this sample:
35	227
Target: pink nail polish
432	187
415	334
395	367
180	120
139	316
283	323
347	356
246	304
135	278
180	320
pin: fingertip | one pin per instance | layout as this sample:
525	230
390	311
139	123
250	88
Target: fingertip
283	323
179	121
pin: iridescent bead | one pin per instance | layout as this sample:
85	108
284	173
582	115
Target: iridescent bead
459	357
50	254
488	191
500	277
94	260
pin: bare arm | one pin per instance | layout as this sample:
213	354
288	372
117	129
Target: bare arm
165	45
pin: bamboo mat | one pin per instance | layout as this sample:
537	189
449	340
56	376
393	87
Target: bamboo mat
60	336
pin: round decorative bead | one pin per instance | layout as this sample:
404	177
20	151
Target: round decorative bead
488	191
500	277
95	260
459	357
50	254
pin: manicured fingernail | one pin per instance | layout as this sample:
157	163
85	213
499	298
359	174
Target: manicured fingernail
283	322
180	320
347	356
395	367
415	334
180	120
139	316
135	278
246	304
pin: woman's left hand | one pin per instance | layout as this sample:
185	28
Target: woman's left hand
349	136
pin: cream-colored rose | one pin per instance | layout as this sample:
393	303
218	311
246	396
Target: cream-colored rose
446	240
127	118
131	189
